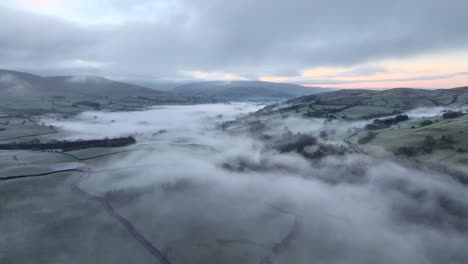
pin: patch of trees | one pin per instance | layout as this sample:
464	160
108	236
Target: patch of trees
225	125
452	114
330	117
400	118
427	146
256	126
70	145
408	151
87	103
314	114
367	138
304	144
294	142
386	123
323	150
160	132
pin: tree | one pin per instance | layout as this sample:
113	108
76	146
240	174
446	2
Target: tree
428	144
323	135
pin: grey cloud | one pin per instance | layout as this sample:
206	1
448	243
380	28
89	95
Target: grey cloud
251	38
32	42
335	79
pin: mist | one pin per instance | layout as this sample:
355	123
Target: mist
427	112
206	195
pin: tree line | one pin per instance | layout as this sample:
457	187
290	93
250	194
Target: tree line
66	145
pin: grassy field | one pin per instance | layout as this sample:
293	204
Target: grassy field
44	215
412	134
358	104
69	106
95	221
52	217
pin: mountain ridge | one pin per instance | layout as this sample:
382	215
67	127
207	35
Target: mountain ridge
245	90
14	83
361	103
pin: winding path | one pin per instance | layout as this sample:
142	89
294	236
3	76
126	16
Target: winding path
353	146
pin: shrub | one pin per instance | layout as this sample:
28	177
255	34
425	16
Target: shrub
406	151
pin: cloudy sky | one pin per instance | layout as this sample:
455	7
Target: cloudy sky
336	43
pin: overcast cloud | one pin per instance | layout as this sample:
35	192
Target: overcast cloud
169	39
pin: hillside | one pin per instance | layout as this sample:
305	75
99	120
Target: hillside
424	125
71	94
14	83
245	90
370	103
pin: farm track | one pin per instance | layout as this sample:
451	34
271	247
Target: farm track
106	205
285	242
135	150
18	177
101	156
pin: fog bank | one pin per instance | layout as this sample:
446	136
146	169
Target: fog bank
210	196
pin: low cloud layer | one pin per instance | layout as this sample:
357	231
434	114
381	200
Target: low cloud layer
210	196
246	38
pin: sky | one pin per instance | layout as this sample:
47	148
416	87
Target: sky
330	43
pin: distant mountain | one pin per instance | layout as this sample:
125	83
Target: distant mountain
363	103
245	90
166	86
27	93
13	83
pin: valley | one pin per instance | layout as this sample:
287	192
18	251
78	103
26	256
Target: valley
235	183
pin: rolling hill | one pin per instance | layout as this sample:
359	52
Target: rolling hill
370	103
14	83
35	94
245	90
